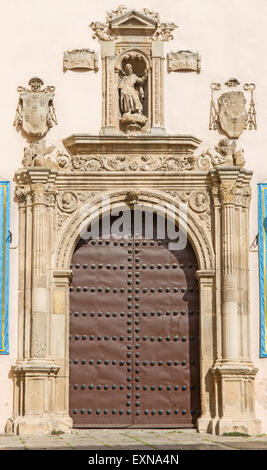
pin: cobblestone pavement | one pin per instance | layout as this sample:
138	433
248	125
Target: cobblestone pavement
132	439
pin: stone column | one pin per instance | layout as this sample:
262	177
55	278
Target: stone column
157	106
233	375
108	84
40	268
36	369
229	247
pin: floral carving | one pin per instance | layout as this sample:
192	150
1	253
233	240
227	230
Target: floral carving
61	219
163	31
228	193
21	194
135	162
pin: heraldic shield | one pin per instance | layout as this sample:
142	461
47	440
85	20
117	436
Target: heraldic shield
232	113
35	111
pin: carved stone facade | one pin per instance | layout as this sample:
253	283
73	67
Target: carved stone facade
55	205
133	161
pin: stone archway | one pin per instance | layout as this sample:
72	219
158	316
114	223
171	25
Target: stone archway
198	238
54	208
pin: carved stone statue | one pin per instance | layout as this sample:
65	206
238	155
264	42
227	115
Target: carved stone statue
222	154
131	97
35	111
35	155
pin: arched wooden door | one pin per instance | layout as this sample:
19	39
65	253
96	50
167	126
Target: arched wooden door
134	334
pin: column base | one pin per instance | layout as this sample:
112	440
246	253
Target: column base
158	131
250	426
206	425
38	425
109	130
235	398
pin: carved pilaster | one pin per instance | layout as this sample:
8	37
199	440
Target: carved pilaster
233	372
157	88
225	200
108	83
35	399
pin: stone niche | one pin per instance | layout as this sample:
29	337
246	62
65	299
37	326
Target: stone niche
132	51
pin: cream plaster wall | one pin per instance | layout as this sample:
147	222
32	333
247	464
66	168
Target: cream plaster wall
232	40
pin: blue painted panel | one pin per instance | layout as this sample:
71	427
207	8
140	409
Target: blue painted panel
4	265
262	211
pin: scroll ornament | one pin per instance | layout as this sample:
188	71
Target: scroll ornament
103	31
184	61
80	59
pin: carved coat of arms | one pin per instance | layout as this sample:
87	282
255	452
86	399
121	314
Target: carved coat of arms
232	112
35	110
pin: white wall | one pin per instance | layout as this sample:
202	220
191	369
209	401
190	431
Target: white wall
231	38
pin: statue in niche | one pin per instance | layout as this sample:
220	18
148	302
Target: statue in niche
131	97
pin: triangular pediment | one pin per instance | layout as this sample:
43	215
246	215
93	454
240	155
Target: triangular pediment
133	22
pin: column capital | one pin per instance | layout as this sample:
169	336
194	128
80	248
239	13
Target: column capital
230	186
205	275
36	367
36	174
63	275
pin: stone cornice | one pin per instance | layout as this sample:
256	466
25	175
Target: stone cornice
89	144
